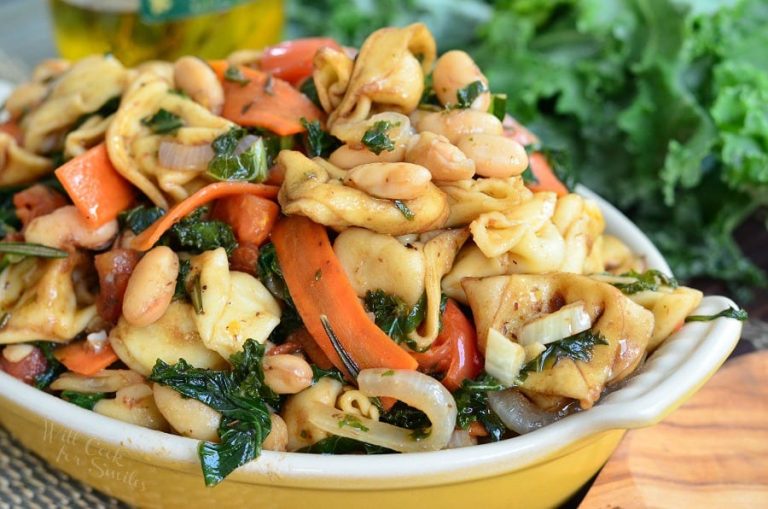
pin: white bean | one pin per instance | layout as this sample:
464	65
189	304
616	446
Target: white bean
277	440
455	70
494	156
187	416
453	124
198	81
151	287
65	226
286	374
443	159
391	181
346	157
17	353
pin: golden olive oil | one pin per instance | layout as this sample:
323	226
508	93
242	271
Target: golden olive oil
85	27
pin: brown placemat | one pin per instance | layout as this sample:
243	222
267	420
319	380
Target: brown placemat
28	482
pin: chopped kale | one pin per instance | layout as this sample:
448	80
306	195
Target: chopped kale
139	218
577	347
53	367
82	399
472	405
392	315
731	312
649	280
467	95
240	395
163	122
230	163
376	138
335	444
498	106
196	234
318	143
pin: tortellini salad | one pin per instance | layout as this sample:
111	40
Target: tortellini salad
367	255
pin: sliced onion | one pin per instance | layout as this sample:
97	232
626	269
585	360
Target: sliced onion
177	156
566	321
518	413
245	143
411	387
461	438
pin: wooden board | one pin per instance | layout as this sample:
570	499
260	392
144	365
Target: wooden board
711	452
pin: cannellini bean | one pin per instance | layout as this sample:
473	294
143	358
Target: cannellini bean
277	440
455	70
187	416
199	82
494	156
24	98
392	181
17	353
352	132
443	159
65	227
286	374
134	404
151	287
453	124
347	157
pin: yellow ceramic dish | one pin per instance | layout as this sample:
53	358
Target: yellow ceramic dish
541	469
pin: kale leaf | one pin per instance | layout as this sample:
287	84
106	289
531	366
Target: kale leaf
53	367
392	315
467	95
577	347
335	444
731	312
651	280
242	398
317	142
472	405
196	234
407	417
318	373
376	138
163	122
498	106
82	399
139	218
309	89
232	162
271	275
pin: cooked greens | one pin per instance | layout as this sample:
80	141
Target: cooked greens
577	347
376	138
231	161
163	122
735	313
239	395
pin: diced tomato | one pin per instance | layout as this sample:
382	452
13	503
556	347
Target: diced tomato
36	201
292	60
28	368
114	268
251	217
455	351
288	347
245	258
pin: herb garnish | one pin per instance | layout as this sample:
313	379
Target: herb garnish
235	75
392	315
240	395
318	143
404	210
376	138
82	399
650	280
577	347
31	249
731	312
467	95
163	122
227	164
